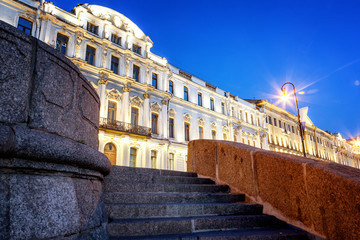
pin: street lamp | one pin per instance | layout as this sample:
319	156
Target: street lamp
285	96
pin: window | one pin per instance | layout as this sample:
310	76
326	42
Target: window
25	25
171	161
279	124
115	64
116	39
92	28
199	99
258	122
241	115
136	49
186	94
246	117
254	143
225	136
171	87
275	122
252	119
136	73
235	138
110	152
213	134
61	43
154	123
270	120
201	133
187	132
111	111
223	108
90	55
155	80
212	106
292	128
232	112
132	157
153	159
134	116
171	128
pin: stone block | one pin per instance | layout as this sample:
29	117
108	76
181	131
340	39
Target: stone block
334	199
202	157
235	166
280	183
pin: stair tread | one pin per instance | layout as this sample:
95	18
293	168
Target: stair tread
279	233
184	204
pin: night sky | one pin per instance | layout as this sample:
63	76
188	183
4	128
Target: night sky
251	48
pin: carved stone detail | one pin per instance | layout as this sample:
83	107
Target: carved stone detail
187	117
213	125
201	122
155	107
172	112
136	101
114	94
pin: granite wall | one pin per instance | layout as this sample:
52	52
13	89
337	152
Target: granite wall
320	197
50	170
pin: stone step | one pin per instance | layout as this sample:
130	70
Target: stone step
147	227
237	234
120	211
153	197
148	178
154	187
133	170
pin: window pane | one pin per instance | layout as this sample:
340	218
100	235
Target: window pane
171	128
186	94
136	71
115	64
90	55
155	80
171	87
61	43
154	122
25	25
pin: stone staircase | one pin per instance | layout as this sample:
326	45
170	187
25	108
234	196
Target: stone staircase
161	204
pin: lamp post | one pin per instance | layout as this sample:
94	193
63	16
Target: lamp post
298	115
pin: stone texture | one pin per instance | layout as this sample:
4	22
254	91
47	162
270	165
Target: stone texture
202	160
321	197
50	170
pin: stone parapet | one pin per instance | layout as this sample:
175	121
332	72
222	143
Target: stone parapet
320	197
51	173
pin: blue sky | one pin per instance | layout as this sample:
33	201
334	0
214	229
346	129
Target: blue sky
251	48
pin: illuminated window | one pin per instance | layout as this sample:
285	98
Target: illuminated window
243	140
246	117
254	143
187	131
154	123
252	119
155	80
136	73
232	112
90	55
259	122
25	25
249	143
134	116
171	128
115	64
92	28
223	108
61	43
110	152
279	124
171	161
186	94
201	133
225	136
116	39
171	87
153	159
213	134
199	99
275	122
212	106
132	162
235	138
270	120
111	111
136	49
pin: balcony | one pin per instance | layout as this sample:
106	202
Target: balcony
124	127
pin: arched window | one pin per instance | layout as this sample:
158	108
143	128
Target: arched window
110	152
201	132
213	134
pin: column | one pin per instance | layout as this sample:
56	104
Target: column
146	121
102	82
126	105
164	119
126	151
231	132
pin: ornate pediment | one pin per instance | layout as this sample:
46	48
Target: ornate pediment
225	129
155	107
201	122
136	101
172	112
187	117
213	125
114	94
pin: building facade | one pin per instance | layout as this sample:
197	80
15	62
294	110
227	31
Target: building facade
150	109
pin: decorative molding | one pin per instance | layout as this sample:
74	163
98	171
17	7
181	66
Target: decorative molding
213	125
136	101
201	122
172	112
103	78
114	94
155	107
187	117
146	95
225	129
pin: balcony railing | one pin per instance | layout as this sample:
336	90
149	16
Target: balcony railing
124	127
